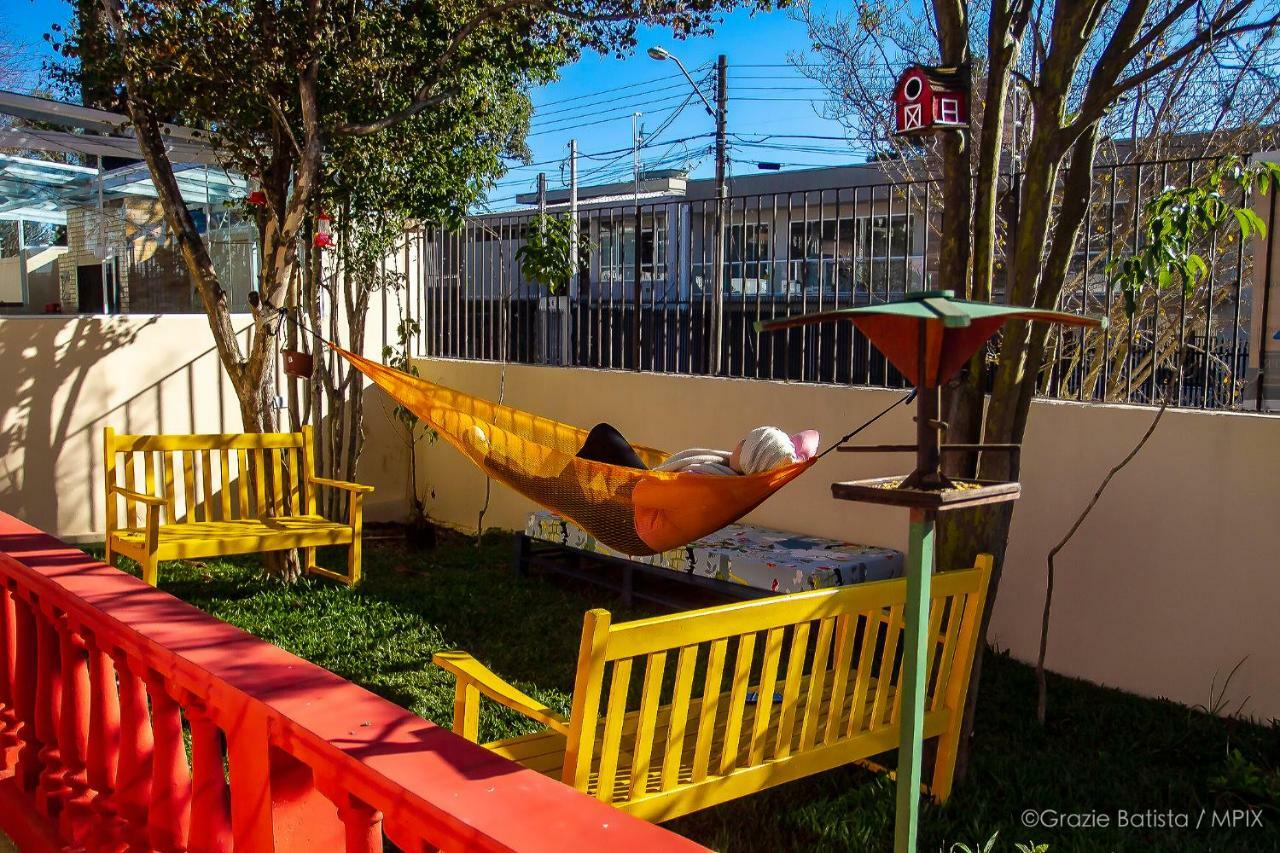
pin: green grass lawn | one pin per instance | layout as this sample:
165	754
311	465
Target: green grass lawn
1103	751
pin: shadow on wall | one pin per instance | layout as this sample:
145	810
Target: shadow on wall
67	379
47	364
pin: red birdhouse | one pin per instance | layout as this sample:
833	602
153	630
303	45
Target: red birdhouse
928	99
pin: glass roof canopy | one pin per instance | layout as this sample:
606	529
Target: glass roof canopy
36	190
43	191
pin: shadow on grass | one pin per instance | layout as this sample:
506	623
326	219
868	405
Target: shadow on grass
1102	752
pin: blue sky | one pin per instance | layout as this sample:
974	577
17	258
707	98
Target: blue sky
766	96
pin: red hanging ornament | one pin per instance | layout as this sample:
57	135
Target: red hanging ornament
256	196
323	238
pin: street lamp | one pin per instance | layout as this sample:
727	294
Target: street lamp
662	54
718	113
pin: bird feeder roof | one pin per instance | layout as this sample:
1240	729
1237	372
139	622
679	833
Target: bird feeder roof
954	329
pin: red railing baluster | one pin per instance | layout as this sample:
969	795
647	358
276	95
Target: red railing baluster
363	824
9	741
104	741
171	777
24	679
210	797
250	770
133	779
48	713
73	732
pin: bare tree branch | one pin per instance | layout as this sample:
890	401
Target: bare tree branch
1041	685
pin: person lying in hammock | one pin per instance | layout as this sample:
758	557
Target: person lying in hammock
639	514
763	449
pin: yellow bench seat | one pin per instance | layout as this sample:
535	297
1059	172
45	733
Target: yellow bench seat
676	713
243	535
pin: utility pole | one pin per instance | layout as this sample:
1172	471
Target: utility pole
635	153
637	287
571	292
717	277
544	302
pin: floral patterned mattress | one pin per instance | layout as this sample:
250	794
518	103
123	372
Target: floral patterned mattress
742	553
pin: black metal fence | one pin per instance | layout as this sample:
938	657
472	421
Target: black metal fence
646	299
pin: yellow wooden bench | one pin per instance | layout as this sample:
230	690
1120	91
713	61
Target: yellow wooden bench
763	692
174	497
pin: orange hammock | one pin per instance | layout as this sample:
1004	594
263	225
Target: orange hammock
633	511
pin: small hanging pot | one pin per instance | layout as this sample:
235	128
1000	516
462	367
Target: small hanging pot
297	364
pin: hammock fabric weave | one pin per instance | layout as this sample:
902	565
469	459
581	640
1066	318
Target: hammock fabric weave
633	511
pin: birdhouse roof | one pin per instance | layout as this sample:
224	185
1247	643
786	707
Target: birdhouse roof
940	78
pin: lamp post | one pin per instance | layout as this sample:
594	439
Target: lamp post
719	112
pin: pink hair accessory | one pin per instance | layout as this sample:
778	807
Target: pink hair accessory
806	444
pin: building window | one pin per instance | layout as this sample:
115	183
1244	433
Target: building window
819	252
949	110
747	256
879	238
617	250
835	257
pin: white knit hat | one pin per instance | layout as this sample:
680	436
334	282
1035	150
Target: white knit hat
764	449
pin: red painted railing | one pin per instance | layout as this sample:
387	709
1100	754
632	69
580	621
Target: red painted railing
98	672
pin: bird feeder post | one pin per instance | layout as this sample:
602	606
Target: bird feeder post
919	571
915	615
928	336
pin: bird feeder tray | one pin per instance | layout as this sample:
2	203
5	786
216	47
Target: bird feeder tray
892	491
929	336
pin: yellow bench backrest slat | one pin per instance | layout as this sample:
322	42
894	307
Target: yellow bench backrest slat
792	678
210	477
657	633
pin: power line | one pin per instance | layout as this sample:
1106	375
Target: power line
792	136
783	100
615	89
624	108
538	112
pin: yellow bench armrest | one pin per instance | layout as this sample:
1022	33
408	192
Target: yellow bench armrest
149	500
340	484
469	670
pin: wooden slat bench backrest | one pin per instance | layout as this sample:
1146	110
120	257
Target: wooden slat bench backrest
833	655
209	477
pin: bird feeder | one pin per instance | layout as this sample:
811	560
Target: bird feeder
927	99
256	197
929	337
323	238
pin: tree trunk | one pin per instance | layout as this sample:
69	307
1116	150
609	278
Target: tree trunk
965	406
252	376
